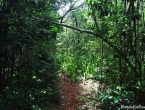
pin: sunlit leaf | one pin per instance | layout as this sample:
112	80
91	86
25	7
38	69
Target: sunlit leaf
55	29
116	99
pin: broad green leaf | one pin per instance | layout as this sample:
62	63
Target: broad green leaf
105	98
55	29
115	91
116	99
40	55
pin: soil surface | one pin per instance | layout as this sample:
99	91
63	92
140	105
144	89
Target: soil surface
78	96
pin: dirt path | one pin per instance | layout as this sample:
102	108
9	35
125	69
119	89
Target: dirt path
77	96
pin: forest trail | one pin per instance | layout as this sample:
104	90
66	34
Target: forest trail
77	96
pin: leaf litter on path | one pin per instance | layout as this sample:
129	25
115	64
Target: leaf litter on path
77	96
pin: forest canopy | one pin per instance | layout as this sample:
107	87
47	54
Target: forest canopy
104	39
108	43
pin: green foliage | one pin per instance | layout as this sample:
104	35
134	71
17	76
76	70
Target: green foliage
99	77
28	64
77	59
34	84
117	58
114	98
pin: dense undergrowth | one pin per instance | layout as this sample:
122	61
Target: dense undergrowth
35	84
116	96
106	45
28	63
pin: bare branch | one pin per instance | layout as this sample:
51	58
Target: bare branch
61	24
94	17
75	28
70	9
119	51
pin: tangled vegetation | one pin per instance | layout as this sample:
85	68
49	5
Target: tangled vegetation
99	39
107	45
28	64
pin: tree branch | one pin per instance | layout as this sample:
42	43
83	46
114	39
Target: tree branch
70	9
119	51
94	17
75	28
